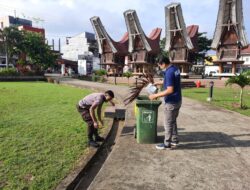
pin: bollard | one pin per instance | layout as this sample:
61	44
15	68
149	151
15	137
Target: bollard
136	81
115	79
211	86
198	84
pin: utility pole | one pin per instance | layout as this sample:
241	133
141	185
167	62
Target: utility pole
6	53
59	45
53	44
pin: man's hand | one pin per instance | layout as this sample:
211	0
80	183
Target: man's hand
158	83
152	96
112	103
102	123
96	125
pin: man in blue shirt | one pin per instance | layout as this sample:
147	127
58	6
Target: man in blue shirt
172	98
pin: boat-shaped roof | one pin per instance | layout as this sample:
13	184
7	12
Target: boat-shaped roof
150	43
120	47
230	14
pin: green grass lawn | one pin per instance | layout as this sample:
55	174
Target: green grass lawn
223	97
41	134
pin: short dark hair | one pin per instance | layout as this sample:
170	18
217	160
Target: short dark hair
162	59
110	93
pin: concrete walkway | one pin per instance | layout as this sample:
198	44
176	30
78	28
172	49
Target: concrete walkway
214	152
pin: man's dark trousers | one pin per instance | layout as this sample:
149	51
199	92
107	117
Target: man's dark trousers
85	113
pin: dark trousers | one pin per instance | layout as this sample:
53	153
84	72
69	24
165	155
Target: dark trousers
92	131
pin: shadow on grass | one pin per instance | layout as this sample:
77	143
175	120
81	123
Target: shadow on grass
206	140
200	92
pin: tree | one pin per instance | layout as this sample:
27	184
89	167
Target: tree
37	50
11	39
203	47
16	42
241	80
162	47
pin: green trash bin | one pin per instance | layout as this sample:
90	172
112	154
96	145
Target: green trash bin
146	119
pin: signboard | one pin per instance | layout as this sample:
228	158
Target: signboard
147	116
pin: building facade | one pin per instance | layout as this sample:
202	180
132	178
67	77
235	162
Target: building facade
22	24
79	45
83	50
33	29
8	21
245	56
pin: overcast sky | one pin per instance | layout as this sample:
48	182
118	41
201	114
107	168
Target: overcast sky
70	17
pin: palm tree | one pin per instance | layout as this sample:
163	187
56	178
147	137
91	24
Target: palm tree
241	80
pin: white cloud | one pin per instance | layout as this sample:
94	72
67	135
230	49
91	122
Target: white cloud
67	3
69	17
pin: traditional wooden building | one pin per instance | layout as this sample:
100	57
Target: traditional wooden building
229	36
142	49
112	53
178	41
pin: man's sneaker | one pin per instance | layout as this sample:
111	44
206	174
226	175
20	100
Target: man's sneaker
99	139
93	144
162	147
174	143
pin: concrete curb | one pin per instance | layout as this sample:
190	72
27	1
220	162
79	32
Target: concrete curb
71	180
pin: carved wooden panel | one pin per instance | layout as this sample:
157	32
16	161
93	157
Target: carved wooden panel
106	47
107	57
178	51
229	47
138	43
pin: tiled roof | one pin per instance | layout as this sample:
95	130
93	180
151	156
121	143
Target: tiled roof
246	50
154	40
122	45
192	32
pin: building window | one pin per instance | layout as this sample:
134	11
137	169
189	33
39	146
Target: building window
1	24
247	59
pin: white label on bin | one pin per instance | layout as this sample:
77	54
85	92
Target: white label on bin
147	117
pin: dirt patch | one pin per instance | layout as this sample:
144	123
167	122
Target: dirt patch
29	177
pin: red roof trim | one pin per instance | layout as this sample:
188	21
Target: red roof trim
246	50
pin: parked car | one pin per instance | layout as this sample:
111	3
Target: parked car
211	73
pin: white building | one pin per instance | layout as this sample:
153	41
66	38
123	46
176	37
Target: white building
83	49
87	63
78	45
245	56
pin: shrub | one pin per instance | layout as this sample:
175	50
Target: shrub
95	78
102	79
101	72
128	74
8	72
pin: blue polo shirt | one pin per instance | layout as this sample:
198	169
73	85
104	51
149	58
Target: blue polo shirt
172	77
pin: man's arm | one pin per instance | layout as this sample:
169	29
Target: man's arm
92	114
169	78
166	92
99	114
112	103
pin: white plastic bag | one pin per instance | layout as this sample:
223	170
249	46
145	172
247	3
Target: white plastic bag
151	89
